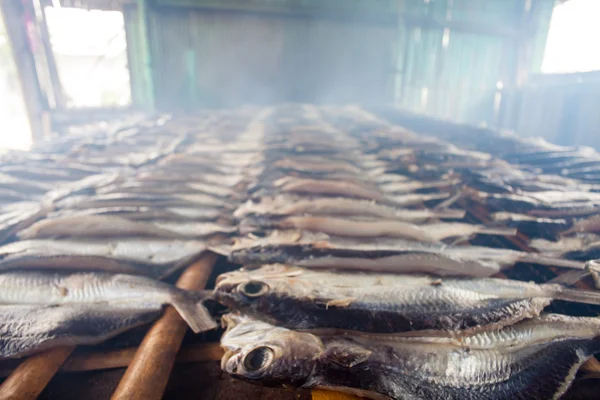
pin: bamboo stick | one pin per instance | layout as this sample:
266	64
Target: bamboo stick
30	378
148	373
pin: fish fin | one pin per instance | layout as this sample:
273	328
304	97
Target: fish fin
193	312
577	295
458	240
221	249
347	355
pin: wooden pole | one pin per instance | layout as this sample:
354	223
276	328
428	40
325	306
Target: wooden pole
32	375
14	13
149	371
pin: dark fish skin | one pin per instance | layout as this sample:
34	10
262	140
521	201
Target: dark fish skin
538	228
379	369
26	329
384	303
389	255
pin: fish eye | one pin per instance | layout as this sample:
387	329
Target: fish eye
258	359
253	288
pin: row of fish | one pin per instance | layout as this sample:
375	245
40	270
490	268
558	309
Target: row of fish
548	192
81	262
358	275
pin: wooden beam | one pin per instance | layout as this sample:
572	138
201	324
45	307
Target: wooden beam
14	14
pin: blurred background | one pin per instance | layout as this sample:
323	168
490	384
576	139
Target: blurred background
526	65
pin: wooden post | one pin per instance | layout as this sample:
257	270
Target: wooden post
14	19
57	89
149	371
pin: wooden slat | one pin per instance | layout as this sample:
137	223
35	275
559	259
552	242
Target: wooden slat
319	394
95	360
123	357
148	373
30	378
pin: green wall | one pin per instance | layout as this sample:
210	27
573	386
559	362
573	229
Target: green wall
442	57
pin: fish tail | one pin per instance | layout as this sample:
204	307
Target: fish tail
221	249
193	312
577	295
500	230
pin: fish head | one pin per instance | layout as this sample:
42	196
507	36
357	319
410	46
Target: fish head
259	352
261	289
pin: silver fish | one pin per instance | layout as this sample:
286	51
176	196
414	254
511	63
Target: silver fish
386	303
141	199
52	288
156	258
160	188
113	227
136	213
318	250
409	187
284	205
328	187
27	329
367	227
534	360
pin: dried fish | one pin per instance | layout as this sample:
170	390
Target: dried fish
408	187
117	290
384	255
27	329
141	200
327	187
590	225
286	205
92	226
136	213
139	256
385	303
533	360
